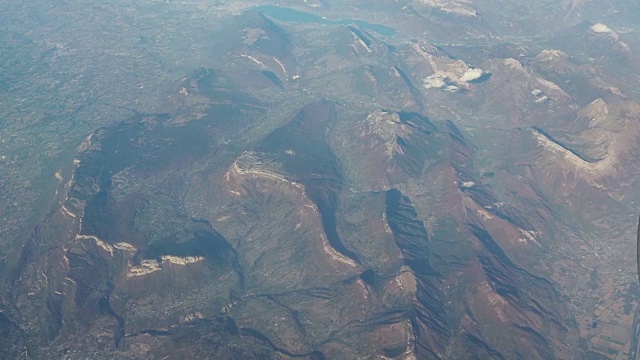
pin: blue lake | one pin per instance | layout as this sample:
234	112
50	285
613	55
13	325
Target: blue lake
290	15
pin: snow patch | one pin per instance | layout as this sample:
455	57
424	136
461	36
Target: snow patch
467	184
602	28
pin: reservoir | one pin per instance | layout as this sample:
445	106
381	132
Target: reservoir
294	16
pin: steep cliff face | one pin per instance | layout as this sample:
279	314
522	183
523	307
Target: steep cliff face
395	146
600	144
431	327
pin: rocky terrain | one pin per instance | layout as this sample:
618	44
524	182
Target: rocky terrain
310	184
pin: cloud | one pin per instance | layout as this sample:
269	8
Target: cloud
434	81
471	74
